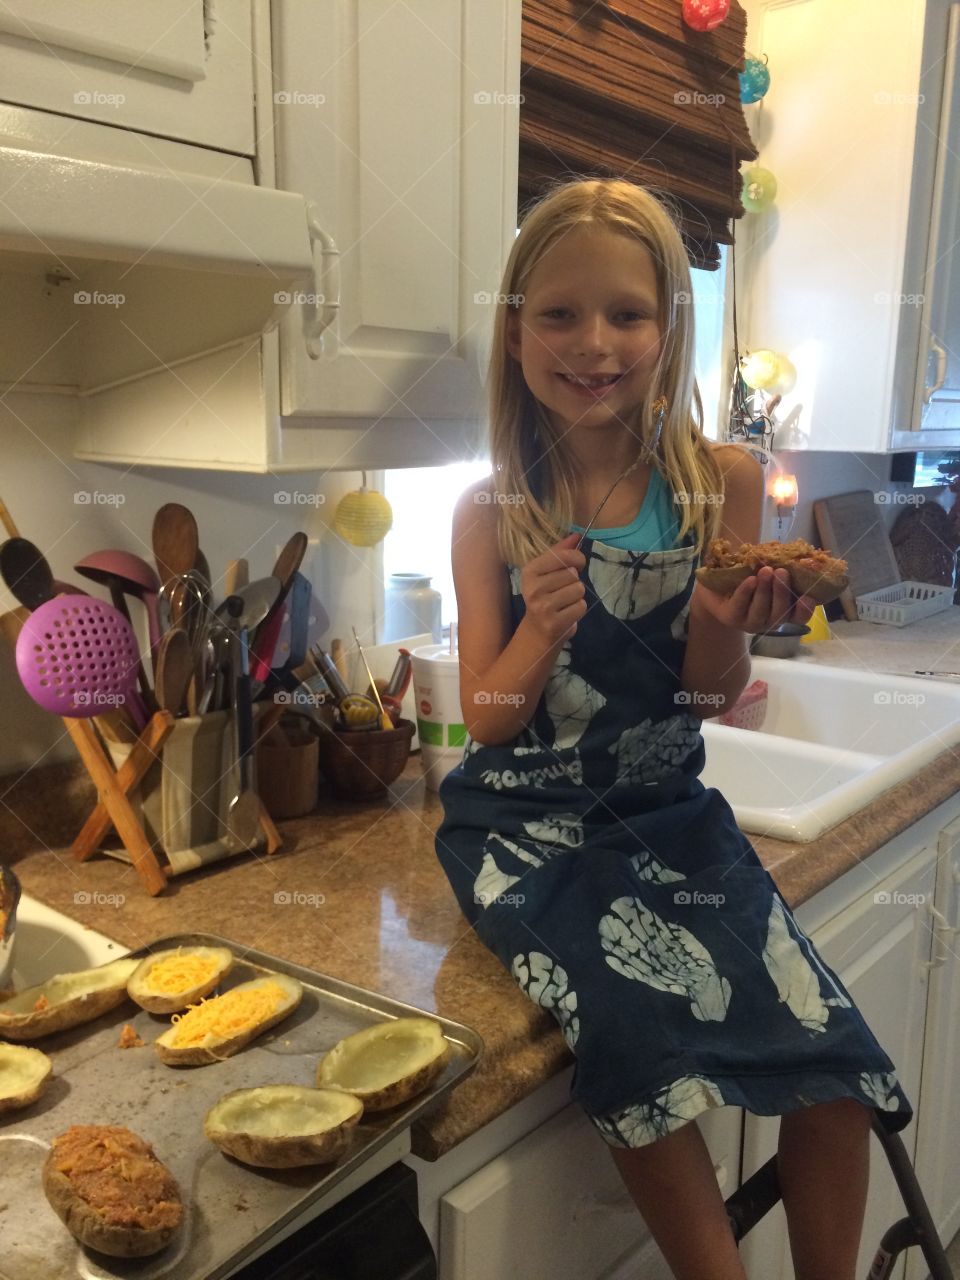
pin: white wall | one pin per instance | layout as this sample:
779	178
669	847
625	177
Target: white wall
237	517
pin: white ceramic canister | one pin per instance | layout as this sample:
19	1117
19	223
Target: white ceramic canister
440	727
411	606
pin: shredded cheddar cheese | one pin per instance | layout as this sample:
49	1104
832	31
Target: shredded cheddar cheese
225	1015
179	973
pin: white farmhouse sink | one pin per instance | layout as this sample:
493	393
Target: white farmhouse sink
47	942
832	741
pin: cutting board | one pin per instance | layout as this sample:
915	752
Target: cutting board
851	526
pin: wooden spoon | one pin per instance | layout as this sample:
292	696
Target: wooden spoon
26	573
174	670
175	540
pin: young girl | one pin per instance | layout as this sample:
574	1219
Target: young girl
581	845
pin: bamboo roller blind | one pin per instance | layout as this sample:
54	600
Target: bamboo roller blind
600	80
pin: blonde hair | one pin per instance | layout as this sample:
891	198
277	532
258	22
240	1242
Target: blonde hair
527	464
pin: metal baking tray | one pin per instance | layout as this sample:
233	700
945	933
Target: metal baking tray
229	1207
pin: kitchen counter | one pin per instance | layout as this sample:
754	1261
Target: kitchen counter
357	892
931	644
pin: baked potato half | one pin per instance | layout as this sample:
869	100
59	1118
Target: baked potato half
67	1000
170	980
217	1028
281	1126
24	1074
813	572
386	1064
111	1191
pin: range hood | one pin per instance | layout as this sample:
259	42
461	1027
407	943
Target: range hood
143	266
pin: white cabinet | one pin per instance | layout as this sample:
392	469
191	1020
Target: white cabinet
553	1207
936	405
180	69
834	272
938	1152
881	948
400	125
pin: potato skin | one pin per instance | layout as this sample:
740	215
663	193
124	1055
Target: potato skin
61	1017
14	1102
83	1221
395	1094
723	581
288	1152
814	583
804	581
156	1003
201	1056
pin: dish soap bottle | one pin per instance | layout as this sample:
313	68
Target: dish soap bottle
411	606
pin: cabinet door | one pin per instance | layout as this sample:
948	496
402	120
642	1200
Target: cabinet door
400	123
938	383
879	947
177	69
938	1152
825	274
553	1207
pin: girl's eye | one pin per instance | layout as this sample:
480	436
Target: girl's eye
632	317
557	313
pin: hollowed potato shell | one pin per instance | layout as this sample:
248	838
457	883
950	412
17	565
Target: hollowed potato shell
386	1064
816	584
89	1227
214	1049
723	581
24	1074
138	987
73	998
260	1126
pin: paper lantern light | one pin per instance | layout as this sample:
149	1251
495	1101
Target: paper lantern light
363	517
754	78
759	188
759	369
704	15
786	375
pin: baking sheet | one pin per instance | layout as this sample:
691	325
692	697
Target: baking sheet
228	1206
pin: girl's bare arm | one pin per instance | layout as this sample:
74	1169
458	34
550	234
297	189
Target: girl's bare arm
716	667
501	675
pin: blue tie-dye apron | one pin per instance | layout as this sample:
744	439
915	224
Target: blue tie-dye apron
623	898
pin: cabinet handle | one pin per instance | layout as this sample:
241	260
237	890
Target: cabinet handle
939	351
319	315
941	932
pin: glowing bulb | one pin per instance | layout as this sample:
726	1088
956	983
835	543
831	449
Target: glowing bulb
783	490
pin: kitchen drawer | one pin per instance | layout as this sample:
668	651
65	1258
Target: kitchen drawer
180	70
553	1206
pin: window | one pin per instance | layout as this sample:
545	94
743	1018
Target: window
423	498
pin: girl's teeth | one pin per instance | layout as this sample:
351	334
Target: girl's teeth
605	381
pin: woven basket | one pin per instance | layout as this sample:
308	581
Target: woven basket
363	762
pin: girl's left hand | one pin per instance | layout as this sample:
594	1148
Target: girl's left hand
760	603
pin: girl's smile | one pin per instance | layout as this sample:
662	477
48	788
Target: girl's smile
587	334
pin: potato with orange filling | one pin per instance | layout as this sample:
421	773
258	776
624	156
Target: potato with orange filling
813	572
111	1191
170	980
215	1029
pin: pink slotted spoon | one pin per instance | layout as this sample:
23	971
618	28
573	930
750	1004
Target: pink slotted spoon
78	657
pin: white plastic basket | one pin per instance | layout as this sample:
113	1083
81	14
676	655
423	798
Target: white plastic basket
903	602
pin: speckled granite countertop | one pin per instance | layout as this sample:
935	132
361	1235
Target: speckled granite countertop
357	893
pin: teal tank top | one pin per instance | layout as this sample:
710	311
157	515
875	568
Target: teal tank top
656	525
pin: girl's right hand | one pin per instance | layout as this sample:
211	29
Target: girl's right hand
552	591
